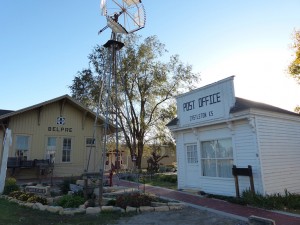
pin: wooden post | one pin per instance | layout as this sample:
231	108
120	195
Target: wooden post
242	172
251	180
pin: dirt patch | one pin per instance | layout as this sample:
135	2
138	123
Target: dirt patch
186	216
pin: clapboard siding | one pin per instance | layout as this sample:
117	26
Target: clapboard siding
180	160
246	154
280	154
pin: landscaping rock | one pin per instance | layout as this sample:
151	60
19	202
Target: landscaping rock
131	209
118	209
50	201
178	204
54	209
161	208
28	204
176	207
156	204
146	209
71	211
93	210
107	208
39	206
255	220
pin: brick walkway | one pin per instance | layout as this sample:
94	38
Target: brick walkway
215	204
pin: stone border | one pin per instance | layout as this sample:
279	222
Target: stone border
155	206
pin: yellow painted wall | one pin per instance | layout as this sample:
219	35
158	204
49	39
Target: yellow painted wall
40	124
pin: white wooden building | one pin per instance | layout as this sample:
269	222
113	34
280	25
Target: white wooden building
215	130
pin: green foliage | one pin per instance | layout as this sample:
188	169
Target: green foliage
10	186
294	67
15	194
12	213
28	197
70	201
148	83
35	198
25	196
287	201
168	178
134	200
153	162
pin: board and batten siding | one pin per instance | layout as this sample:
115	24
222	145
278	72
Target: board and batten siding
280	154
38	123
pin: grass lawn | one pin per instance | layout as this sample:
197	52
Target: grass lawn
13	214
166	181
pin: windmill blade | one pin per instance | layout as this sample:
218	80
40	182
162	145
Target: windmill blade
139	18
103	7
131	2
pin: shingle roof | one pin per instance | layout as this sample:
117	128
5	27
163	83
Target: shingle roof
244	104
3	111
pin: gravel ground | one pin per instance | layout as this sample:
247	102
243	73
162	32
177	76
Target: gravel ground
186	216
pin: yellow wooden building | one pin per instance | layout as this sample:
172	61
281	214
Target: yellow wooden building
58	132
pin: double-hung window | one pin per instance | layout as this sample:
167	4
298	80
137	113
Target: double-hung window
217	158
66	151
22	146
51	149
191	154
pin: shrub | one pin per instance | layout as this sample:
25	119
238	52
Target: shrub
168	178
10	186
15	194
133	200
25	196
35	198
273	201
70	201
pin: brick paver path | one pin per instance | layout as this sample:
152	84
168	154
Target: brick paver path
216	204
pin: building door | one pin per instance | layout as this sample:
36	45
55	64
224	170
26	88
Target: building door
192	165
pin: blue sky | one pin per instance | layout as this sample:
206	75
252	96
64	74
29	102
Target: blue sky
45	43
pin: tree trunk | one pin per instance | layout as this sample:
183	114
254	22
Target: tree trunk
140	154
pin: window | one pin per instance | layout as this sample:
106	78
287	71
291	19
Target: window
217	158
191	154
66	152
51	149
90	142
22	146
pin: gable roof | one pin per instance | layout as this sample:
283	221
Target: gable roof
242	104
8	113
3	111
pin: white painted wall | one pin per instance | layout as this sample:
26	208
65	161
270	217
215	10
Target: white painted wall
279	143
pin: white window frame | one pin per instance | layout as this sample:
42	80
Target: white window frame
89	142
51	150
22	152
66	150
215	161
191	154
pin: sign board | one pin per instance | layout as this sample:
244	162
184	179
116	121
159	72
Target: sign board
39	190
211	102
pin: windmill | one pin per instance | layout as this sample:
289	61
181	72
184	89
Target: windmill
123	17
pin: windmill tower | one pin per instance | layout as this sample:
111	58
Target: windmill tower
123	17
